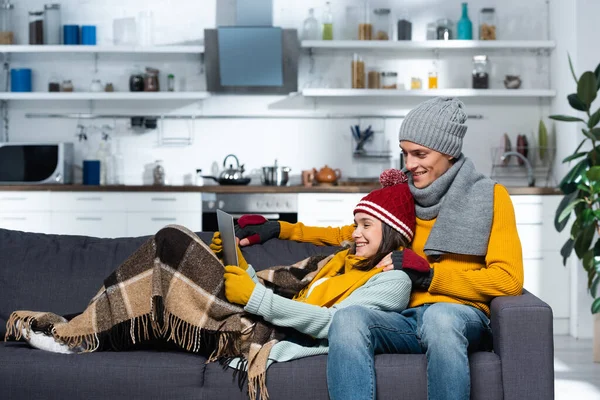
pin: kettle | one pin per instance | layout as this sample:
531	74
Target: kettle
232	173
327	175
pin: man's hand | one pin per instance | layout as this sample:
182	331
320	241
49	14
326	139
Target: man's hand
253	229
416	267
238	285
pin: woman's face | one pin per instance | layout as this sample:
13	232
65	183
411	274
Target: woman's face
367	234
424	164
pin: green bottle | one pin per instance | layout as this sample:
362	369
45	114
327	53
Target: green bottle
327	23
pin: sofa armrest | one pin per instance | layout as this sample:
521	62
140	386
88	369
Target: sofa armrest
522	331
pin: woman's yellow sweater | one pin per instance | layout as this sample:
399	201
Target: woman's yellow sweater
457	278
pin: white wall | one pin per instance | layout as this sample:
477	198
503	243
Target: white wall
298	143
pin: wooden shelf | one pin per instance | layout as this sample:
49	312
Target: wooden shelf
407	45
104	96
428	93
101	49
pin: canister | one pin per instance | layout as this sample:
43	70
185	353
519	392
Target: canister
52	24
20	80
6	31
70	34
88	34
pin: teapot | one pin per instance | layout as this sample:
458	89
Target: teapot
327	175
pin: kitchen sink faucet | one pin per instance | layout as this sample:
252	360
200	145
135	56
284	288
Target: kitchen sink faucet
530	176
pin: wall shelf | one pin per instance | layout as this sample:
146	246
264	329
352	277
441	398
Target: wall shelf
104	96
534	45
428	93
198	49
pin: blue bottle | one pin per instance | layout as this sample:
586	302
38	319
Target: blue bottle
464	26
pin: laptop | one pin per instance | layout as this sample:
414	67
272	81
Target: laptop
227	230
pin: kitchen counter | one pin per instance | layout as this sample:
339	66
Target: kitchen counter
240	189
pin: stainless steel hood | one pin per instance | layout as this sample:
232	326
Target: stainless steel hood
246	54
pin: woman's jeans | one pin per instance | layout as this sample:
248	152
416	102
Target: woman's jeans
443	331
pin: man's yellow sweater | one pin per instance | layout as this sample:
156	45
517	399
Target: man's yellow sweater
457	278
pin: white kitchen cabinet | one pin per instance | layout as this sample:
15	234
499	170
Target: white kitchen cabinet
142	224
327	209
545	275
90	223
25	211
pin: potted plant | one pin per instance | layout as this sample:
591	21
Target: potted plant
581	187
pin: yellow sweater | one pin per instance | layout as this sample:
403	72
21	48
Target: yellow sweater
457	278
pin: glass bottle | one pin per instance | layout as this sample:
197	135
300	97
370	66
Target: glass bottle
432	80
36	27
464	27
327	23
358	72
481	78
6	31
310	27
52	25
487	24
171	83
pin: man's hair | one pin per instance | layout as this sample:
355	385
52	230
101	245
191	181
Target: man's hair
391	240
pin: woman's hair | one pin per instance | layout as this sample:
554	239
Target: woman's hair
391	240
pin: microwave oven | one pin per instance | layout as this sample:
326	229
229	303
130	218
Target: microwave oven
36	163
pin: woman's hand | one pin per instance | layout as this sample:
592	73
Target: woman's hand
253	229
216	245
238	285
386	263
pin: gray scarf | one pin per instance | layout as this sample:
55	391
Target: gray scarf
462	199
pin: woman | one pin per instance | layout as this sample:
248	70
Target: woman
174	281
465	252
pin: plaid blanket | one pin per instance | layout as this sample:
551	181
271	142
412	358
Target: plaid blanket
172	288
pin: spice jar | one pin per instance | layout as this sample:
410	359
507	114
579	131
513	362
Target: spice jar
136	82
480	72
433	80
358	72
96	86
52	25
487	24
53	85
374	79
36	27
151	80
109	87
6	32
66	86
389	80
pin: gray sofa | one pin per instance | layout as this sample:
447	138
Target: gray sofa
61	273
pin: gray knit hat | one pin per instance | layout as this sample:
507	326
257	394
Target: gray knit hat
438	124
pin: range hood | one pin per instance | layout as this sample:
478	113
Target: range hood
246	54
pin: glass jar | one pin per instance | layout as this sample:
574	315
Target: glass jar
404	28
374	79
389	80
358	72
54	85
382	24
136	81
6	31
487	24
481	77
365	28
431	33
96	86
415	83
66	86
36	27
151	80
171	83
432	80
158	173
109	87
444	29
52	25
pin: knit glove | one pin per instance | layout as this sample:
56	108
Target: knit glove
216	245
256	228
416	267
238	285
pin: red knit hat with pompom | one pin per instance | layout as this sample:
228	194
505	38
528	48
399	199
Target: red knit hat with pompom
392	204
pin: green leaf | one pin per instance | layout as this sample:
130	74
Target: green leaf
584	188
594	287
595	132
588	260
596	306
594	119
597	73
576	103
571	67
584	240
587	88
566	200
566	118
593	174
566	250
575	156
567	211
571	179
587	134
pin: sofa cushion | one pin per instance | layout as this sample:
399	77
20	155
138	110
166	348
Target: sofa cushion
26	373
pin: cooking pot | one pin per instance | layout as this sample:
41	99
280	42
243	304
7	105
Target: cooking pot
275	175
231	175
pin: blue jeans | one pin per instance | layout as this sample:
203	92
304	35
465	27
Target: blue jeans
445	332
